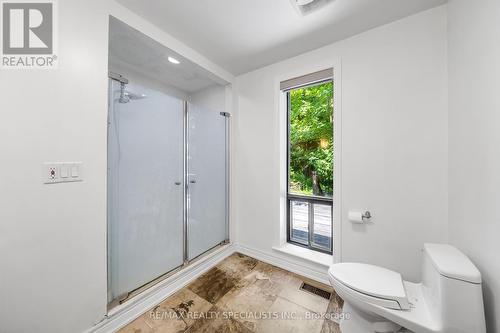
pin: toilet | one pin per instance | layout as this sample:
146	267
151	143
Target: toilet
448	299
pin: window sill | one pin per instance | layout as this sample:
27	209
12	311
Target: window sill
306	254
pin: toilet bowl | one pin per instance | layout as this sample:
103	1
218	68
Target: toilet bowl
447	300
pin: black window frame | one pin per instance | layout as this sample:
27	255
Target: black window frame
309	199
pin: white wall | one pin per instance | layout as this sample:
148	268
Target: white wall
394	143
212	97
474	118
53	237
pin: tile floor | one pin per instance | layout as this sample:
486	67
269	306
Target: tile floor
242	294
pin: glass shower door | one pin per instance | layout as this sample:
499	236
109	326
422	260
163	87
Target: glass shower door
145	187
207	179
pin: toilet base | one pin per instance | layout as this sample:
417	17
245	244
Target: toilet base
356	321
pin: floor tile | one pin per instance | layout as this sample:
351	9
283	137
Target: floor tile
238	265
175	314
292	292
330	327
275	274
178	312
334	310
218	322
251	300
138	326
291	318
242	294
213	285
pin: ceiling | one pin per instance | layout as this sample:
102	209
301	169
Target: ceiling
132	50
243	35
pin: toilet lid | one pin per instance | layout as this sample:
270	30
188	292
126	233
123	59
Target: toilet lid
371	280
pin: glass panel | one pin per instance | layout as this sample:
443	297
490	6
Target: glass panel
322	226
311	140
299	225
145	190
207	179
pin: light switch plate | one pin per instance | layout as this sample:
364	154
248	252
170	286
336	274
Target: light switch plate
62	172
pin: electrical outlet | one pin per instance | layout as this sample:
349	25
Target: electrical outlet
52	173
62	172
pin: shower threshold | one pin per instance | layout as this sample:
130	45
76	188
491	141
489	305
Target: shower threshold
154	284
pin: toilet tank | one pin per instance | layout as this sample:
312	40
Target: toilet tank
452	289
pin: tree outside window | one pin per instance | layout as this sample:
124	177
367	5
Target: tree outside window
311	140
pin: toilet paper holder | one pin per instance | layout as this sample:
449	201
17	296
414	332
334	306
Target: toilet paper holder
355	216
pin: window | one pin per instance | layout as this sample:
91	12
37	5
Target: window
310	161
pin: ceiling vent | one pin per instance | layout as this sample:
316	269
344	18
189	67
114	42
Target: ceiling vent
305	7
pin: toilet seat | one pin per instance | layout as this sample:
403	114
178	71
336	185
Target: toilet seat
372	284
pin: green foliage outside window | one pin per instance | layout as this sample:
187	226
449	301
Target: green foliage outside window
311	140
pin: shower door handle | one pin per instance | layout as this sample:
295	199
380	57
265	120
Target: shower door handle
191	178
178	183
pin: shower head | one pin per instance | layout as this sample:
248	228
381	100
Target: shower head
126	96
123	99
134	96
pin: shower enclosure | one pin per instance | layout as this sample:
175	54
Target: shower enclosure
167	184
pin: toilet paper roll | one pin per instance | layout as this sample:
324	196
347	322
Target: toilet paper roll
356	217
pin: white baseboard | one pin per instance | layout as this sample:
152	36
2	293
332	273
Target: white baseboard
133	308
314	272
